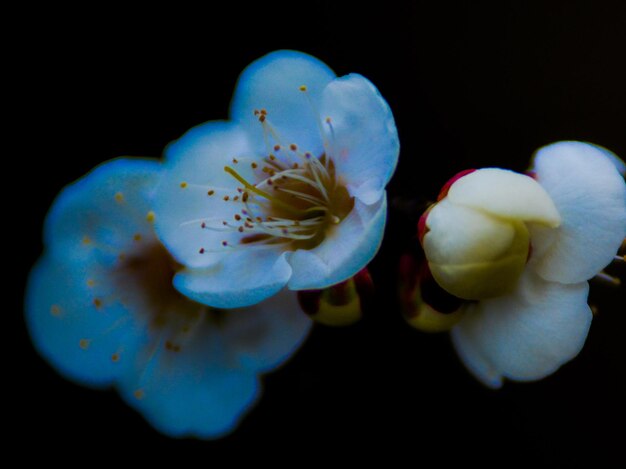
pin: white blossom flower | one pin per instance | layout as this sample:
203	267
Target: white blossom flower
290	191
102	310
520	248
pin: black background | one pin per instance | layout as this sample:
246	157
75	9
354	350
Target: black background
470	84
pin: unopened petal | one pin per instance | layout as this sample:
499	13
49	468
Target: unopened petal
472	254
506	194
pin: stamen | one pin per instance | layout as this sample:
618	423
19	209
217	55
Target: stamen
603	276
320	129
260	192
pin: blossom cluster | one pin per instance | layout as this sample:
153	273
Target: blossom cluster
180	281
175	280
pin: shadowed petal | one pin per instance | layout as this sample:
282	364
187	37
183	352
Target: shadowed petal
82	333
346	249
266	334
242	279
196	393
104	213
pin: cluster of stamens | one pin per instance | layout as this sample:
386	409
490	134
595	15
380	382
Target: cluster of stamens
289	196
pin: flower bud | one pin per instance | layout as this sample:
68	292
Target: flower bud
476	238
425	305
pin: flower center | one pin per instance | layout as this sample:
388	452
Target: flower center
287	196
150	271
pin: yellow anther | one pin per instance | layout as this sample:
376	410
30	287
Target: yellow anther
84	343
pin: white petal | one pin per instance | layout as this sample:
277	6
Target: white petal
273	83
460	235
243	278
590	195
506	194
345	251
194	166
99	215
78	338
266	334
526	335
362	136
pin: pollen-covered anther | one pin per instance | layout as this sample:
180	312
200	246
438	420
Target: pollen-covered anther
84	343
171	346
150	217
119	197
183	185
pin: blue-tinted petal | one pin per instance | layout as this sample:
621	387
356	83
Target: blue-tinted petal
243	278
268	333
191	194
104	213
273	83
77	324
362	136
202	393
346	250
